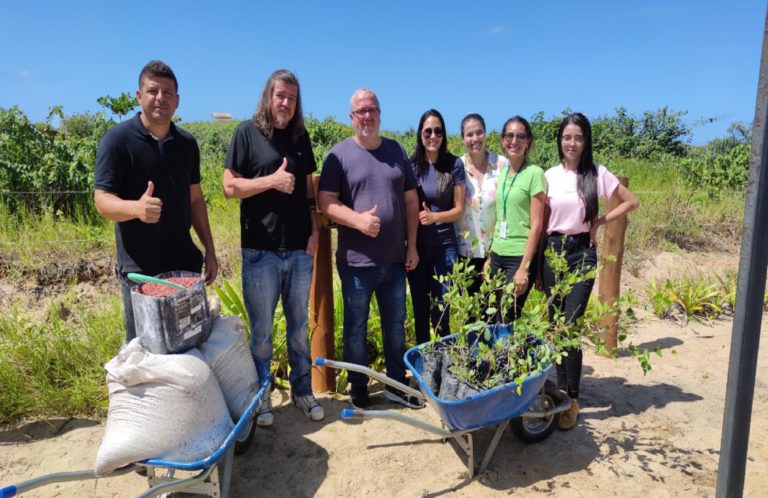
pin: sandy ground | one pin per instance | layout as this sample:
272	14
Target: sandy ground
652	435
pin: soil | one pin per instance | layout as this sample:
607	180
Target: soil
637	435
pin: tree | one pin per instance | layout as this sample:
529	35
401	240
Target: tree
120	106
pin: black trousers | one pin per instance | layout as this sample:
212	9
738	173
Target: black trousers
509	265
581	257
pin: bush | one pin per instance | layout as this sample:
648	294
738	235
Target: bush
717	174
39	159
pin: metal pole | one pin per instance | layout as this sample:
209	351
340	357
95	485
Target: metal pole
749	303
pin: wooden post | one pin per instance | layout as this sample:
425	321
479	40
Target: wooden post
321	306
610	276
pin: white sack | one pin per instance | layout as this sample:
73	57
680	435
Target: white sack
226	352
160	406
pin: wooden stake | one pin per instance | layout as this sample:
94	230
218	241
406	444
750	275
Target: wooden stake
321	307
609	284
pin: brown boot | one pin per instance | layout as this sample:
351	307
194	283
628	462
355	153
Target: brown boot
568	417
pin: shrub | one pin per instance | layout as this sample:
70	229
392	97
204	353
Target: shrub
43	161
717	174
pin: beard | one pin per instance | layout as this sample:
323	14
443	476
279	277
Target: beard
281	122
366	133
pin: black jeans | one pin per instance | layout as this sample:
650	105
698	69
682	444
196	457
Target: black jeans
581	257
477	264
427	292
509	265
125	292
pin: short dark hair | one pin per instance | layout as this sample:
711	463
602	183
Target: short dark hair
263	117
158	69
469	117
526	125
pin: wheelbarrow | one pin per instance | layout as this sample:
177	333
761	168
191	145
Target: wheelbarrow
534	411
214	471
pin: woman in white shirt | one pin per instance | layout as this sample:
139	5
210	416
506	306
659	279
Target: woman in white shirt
474	229
574	187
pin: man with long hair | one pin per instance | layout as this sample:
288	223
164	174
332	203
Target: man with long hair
147	180
269	168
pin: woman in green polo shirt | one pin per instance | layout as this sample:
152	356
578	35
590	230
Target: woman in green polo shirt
520	201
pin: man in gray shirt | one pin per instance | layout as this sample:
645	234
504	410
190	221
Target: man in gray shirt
368	188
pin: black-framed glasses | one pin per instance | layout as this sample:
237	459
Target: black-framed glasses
509	137
427	132
368	111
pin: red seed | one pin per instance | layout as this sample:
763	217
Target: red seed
160	290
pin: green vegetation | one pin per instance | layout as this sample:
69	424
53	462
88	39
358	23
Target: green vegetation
52	351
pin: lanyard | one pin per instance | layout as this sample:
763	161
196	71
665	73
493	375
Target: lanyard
505	191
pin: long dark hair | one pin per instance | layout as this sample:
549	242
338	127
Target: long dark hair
586	183
445	160
263	117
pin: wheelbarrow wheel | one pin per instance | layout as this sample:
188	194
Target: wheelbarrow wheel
536	429
244	442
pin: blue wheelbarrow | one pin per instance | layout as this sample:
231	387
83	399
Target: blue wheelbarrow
214	471
534	412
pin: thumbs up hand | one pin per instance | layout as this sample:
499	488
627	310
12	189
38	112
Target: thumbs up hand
282	179
148	207
426	217
369	223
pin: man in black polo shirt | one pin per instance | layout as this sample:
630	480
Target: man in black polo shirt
147	180
269	167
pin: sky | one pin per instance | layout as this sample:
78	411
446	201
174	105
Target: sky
498	58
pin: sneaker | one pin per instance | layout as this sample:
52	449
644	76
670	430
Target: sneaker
265	417
309	406
568	417
359	397
402	398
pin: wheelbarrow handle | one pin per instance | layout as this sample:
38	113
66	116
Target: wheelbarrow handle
354	367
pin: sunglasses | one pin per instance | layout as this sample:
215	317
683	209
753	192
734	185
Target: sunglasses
509	137
427	132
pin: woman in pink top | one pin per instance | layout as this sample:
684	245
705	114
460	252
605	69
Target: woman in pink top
572	199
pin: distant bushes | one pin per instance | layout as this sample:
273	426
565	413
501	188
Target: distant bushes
722	166
42	157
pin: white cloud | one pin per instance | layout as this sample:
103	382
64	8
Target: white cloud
25	73
496	30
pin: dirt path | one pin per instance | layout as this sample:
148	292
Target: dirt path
654	435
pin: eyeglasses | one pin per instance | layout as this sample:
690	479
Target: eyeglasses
579	139
368	111
427	132
510	137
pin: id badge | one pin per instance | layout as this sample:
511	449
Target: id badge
503	229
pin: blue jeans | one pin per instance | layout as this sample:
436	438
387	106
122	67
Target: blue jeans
357	287
426	291
267	276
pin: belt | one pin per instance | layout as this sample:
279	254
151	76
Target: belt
575	236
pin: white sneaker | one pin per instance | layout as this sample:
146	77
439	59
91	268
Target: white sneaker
309	406
265	417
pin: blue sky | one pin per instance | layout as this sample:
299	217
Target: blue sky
496	58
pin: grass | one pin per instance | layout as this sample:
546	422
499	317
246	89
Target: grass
53	366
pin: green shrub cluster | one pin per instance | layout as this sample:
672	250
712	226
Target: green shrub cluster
38	159
720	168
